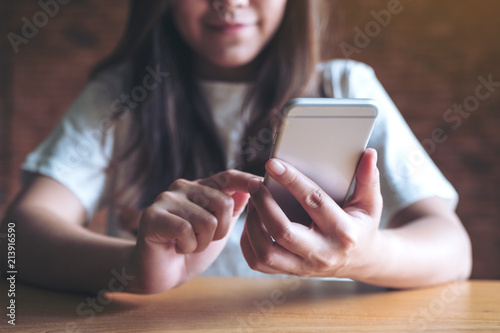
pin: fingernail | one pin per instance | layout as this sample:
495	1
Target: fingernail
276	167
254	185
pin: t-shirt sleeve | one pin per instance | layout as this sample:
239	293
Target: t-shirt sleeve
408	174
77	152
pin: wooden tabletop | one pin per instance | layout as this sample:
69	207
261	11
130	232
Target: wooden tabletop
262	305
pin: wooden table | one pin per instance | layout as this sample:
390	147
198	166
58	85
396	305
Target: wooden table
262	305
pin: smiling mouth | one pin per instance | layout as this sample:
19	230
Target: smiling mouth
226	27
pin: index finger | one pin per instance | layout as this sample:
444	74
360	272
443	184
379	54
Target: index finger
229	181
317	203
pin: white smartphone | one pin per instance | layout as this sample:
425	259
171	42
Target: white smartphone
324	139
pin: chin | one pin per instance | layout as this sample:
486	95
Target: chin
233	60
230	62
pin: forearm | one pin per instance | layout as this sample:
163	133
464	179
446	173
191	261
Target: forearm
55	254
426	251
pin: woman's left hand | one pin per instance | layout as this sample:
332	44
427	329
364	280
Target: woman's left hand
340	242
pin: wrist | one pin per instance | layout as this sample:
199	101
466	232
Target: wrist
369	260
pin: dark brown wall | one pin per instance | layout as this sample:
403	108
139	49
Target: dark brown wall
429	57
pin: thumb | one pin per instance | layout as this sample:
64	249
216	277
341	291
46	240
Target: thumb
366	196
240	202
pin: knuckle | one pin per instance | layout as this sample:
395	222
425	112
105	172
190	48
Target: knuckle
349	244
310	265
284	236
226	203
253	264
149	219
183	229
178	184
315	198
344	237
265	258
210	222
347	241
152	213
291	178
319	264
231	172
164	196
325	263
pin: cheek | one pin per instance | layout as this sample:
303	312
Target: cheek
190	32
272	15
187	19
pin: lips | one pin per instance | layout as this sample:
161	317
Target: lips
228	27
234	21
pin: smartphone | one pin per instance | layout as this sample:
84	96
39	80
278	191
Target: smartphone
324	139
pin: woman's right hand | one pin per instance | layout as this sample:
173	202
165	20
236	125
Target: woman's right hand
185	229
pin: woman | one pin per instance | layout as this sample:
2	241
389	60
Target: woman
187	93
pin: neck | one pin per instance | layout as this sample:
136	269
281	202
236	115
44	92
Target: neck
208	71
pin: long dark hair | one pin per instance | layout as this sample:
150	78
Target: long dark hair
174	134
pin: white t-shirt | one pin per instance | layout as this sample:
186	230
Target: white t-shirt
79	150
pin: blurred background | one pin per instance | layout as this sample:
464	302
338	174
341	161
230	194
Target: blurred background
428	54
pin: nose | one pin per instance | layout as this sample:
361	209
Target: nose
234	3
226	8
